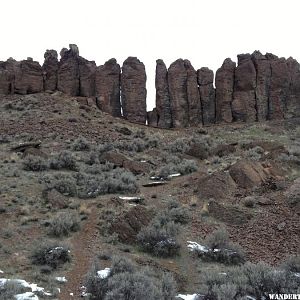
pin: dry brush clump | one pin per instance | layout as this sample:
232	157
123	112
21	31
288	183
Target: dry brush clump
125	280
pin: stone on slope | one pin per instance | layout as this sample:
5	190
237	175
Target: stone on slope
163	105
107	86
205	78
224	91
50	69
133	89
244	97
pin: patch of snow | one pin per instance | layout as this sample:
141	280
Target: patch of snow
250	298
1	272
61	279
72	294
26	296
187	297
174	175
132	204
143	161
297	274
193	246
130	198
103	273
222	273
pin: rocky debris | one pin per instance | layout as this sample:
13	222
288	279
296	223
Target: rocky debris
107	86
184	94
248	174
128	225
224	91
152	118
133	88
24	146
163	105
68	72
28	77
50	69
205	78
244	97
87	71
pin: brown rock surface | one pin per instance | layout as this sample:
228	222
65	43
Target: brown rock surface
133	82
107	85
207	95
28	77
68	72
244	97
50	68
87	71
163	105
152	118
7	78
224	91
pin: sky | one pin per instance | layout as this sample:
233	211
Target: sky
205	32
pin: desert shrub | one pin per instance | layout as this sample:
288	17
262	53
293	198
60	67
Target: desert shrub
220	249
292	264
50	253
64	223
81	144
249	201
11	288
255	153
140	133
180	215
99	168
158	239
152	141
64	160
64	184
180	145
126	281
35	163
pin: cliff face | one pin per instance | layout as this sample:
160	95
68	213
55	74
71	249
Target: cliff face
261	87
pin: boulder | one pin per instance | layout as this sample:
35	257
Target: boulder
107	86
163	105
244	97
50	69
224	91
248	174
28	77
205	78
68	71
133	83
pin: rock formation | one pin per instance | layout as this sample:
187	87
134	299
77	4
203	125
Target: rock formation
184	94
260	87
163	105
50	68
107	87
205	78
133	89
68	72
224	91
244	97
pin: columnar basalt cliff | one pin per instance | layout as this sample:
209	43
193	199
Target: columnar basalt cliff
261	87
133	90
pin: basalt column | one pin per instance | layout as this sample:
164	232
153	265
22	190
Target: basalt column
133	90
108	87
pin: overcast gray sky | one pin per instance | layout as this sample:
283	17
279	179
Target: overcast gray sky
205	32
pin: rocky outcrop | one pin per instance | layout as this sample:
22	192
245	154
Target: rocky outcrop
107	87
184	94
133	89
244	96
68	72
163	105
224	91
87	71
7	76
50	68
293	103
205	78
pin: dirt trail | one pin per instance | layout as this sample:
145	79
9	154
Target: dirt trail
84	245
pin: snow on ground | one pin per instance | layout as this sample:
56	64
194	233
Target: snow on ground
187	297
61	279
129	198
103	273
193	246
174	175
1	272
26	296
